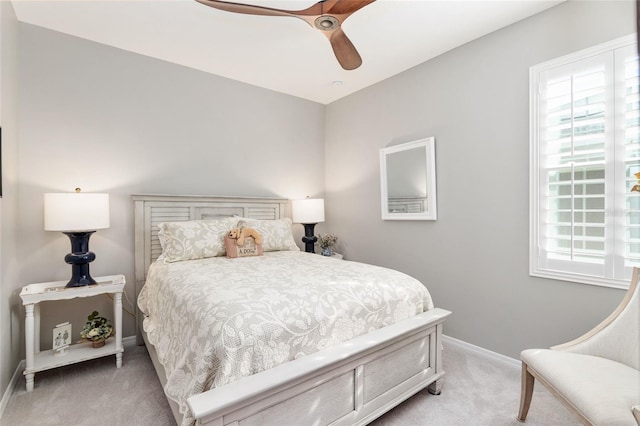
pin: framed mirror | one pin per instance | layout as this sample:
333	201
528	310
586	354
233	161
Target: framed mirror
408	181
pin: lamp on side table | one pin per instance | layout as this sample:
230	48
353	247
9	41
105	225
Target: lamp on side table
78	215
309	212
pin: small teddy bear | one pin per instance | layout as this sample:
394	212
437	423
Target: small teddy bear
240	234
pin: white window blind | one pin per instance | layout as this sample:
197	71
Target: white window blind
585	222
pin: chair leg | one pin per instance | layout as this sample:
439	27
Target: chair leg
526	392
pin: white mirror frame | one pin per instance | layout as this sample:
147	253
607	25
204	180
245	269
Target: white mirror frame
430	212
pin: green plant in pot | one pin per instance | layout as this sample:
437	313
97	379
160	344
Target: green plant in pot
96	330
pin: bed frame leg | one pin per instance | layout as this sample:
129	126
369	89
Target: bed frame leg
139	338
435	388
526	392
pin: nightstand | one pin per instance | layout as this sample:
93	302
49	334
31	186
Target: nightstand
33	294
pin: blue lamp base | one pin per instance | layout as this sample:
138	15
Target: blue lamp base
79	259
309	239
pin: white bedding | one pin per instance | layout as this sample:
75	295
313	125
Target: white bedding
216	320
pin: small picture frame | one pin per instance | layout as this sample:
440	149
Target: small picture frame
61	337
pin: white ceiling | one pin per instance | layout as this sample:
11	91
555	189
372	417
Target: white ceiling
281	53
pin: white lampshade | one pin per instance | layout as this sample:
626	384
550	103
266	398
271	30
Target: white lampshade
76	212
309	210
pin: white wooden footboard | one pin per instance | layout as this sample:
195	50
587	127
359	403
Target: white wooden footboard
349	384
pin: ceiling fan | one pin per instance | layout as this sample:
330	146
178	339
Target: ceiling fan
326	16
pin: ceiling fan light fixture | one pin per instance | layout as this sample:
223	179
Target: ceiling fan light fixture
326	23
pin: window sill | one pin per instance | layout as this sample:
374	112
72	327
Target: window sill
581	279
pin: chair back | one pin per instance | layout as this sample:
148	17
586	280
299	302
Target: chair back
617	337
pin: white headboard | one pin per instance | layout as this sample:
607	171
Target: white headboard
150	210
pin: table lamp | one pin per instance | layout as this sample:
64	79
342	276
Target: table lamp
78	215
308	212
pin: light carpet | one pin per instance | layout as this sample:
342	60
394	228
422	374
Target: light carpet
478	390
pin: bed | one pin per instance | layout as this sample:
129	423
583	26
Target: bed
344	370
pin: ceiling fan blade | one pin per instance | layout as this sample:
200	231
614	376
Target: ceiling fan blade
247	9
345	51
323	7
343	7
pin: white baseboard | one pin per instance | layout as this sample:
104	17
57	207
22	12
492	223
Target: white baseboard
511	362
10	388
129	341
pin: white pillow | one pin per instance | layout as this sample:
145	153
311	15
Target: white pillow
194	239
276	234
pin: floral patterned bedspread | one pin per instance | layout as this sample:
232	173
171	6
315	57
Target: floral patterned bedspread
216	320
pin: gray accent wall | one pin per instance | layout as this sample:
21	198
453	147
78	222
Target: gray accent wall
474	259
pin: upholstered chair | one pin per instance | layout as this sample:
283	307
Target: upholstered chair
595	376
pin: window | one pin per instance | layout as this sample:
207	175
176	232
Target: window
585	151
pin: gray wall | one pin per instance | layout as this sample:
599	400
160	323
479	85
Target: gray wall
111	121
474	259
10	318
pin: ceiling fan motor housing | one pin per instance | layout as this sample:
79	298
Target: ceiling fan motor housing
326	23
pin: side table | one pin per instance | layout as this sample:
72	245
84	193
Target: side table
33	294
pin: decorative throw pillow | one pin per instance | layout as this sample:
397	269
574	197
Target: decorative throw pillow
194	239
636	412
276	234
